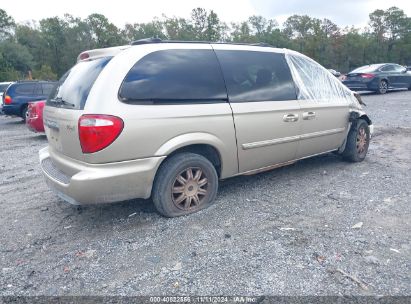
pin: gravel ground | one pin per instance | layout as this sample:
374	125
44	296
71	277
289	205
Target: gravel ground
285	232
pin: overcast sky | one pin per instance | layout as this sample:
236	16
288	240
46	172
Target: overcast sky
342	12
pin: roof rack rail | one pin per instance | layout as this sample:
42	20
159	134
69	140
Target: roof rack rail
262	44
146	41
158	40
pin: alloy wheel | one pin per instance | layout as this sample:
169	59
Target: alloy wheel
361	141
189	188
383	87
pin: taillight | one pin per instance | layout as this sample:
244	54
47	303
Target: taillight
97	132
7	99
367	75
32	111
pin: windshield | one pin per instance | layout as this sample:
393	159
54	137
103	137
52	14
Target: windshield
367	68
73	88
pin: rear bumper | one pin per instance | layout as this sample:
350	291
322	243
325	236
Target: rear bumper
12	110
35	124
102	183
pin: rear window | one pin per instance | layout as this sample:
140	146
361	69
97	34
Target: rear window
73	88
175	76
256	76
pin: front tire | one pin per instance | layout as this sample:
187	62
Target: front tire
358	141
383	87
185	183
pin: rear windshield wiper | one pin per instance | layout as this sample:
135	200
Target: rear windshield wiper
60	100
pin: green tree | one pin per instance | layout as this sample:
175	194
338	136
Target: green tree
206	25
16	57
137	31
7	72
104	33
178	29
6	25
50	47
53	31
241	32
44	73
299	28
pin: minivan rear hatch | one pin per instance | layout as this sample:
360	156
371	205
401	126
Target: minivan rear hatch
65	105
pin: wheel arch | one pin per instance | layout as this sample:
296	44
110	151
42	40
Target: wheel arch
355	115
205	144
366	118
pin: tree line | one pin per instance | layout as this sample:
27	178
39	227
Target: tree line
47	48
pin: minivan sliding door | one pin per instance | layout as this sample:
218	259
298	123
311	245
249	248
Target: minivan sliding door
265	110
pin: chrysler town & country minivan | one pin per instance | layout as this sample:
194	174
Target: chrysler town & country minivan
168	120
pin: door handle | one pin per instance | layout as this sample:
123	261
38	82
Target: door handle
308	115
290	117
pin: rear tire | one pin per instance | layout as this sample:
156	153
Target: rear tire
382	87
185	183
358	141
24	113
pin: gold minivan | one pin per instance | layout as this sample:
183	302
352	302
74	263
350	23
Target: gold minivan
168	120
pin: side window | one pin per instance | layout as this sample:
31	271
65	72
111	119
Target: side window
315	82
47	88
256	76
399	68
388	68
171	76
38	90
25	88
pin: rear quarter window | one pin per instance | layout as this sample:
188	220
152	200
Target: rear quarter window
47	88
174	76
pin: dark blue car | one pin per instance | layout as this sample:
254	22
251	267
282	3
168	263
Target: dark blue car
19	94
379	78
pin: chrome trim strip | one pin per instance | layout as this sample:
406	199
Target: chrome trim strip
264	143
322	133
259	144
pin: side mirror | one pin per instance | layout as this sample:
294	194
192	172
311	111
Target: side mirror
404	70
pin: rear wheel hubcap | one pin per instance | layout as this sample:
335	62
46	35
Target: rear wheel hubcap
189	188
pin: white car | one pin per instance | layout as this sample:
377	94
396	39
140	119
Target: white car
3	87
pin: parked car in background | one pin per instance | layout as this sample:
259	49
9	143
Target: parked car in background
167	120
19	94
379	78
34	119
3	87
